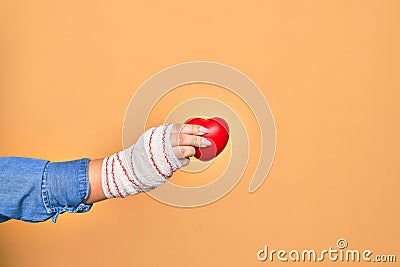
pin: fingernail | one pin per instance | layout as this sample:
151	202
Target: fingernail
204	130
205	143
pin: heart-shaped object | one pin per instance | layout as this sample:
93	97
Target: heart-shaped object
219	136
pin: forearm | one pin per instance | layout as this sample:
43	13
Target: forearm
94	176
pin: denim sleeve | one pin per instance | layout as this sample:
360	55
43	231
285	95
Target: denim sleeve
35	190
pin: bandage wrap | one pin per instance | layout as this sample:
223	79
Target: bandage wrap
143	166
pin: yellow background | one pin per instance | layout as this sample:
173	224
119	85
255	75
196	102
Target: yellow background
329	70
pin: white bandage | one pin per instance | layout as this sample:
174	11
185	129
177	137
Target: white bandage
141	167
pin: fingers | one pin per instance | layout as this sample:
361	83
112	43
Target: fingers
184	138
182	152
184	161
189	140
189	129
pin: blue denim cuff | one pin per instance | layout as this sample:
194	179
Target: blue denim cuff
3	218
20	189
65	187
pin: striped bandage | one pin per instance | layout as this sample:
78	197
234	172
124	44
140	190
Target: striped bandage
141	167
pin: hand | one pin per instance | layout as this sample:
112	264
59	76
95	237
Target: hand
131	171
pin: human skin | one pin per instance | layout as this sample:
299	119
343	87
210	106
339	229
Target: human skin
184	138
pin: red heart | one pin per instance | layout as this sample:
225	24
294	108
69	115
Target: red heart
219	136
